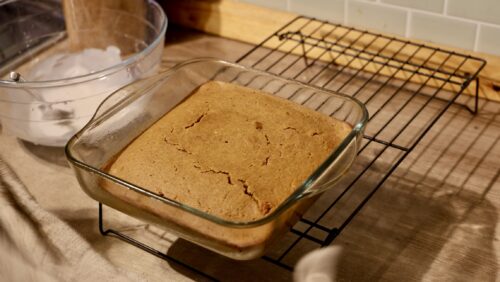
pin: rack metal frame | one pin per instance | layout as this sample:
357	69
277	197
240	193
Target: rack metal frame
396	132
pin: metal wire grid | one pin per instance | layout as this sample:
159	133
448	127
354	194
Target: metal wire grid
406	87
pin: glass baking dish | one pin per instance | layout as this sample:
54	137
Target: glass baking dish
131	110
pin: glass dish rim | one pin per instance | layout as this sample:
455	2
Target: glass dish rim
101	73
299	193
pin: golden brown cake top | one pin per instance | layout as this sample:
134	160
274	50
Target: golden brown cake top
231	151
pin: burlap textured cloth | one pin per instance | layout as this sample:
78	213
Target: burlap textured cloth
37	246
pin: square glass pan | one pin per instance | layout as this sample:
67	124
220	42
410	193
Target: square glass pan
131	110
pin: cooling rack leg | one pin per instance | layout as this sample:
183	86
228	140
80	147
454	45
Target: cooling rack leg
101	225
331	236
476	98
144	247
475	108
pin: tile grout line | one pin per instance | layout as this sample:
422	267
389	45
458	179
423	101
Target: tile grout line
476	37
445	7
382	4
346	11
409	15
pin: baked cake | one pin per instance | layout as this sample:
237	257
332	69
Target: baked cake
230	151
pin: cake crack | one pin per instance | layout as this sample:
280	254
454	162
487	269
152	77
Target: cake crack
245	188
229	181
267	139
266	161
248	193
177	146
259	126
198	120
264	208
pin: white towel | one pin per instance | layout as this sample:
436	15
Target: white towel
318	266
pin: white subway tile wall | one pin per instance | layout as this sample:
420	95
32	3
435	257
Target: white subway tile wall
386	19
481	10
489	39
274	4
468	24
441	29
436	6
330	10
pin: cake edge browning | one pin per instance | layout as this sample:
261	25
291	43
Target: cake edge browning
269	207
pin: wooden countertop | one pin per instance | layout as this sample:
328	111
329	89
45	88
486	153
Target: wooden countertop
435	219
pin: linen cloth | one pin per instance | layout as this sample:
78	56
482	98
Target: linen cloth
37	246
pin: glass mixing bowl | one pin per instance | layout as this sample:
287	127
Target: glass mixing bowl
100	48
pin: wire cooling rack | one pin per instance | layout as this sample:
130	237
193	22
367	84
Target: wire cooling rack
406	87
